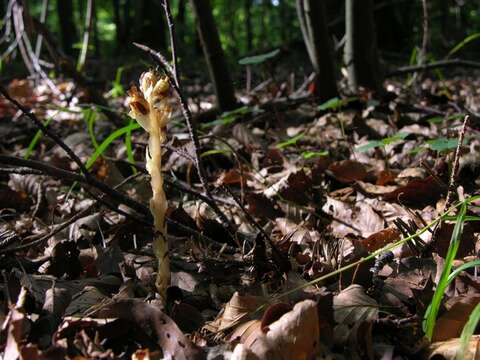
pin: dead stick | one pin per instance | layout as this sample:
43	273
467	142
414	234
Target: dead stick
72	176
456	164
435	65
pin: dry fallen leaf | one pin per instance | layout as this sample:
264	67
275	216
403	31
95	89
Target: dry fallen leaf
295	336
359	219
352	308
235	310
417	192
450	324
380	239
169	337
448	349
348	171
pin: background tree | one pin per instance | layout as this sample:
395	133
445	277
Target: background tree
212	48
68	30
150	28
311	15
361	54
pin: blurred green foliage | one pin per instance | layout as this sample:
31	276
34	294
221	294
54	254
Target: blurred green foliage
273	25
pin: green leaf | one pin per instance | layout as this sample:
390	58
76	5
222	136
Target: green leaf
413	56
462	43
468	331
117	87
228	117
313	154
394	138
430	317
290	142
370	145
442	144
90	116
440	119
36	138
112	137
258	59
215	151
335	103
380	143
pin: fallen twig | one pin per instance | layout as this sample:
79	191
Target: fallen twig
434	65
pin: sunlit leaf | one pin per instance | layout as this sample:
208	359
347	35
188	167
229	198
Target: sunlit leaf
313	154
290	142
106	143
335	103
258	59
462	43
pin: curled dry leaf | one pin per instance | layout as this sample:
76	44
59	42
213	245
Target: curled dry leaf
450	324
294	233
295	187
380	239
352	308
18	328
417	192
374	190
361	219
348	171
449	349
231	177
386	177
235	310
260	206
169	337
294	336
444	234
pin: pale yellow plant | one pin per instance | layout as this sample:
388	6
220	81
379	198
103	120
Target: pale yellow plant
149	106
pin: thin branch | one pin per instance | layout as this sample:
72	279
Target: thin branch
279	259
72	176
158	58
173	43
456	163
27	112
434	65
44	238
37	167
86	34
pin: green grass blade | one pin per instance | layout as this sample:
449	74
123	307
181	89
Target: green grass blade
462	43
106	143
290	142
468	331
90	116
36	138
464	267
430	317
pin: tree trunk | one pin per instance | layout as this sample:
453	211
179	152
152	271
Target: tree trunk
285	18
180	26
361	55
212	48
313	23
68	30
119	26
127	20
86	34
248	24
149	28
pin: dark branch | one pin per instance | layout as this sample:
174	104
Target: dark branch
435	65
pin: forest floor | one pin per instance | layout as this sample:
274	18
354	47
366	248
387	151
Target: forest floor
337	235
